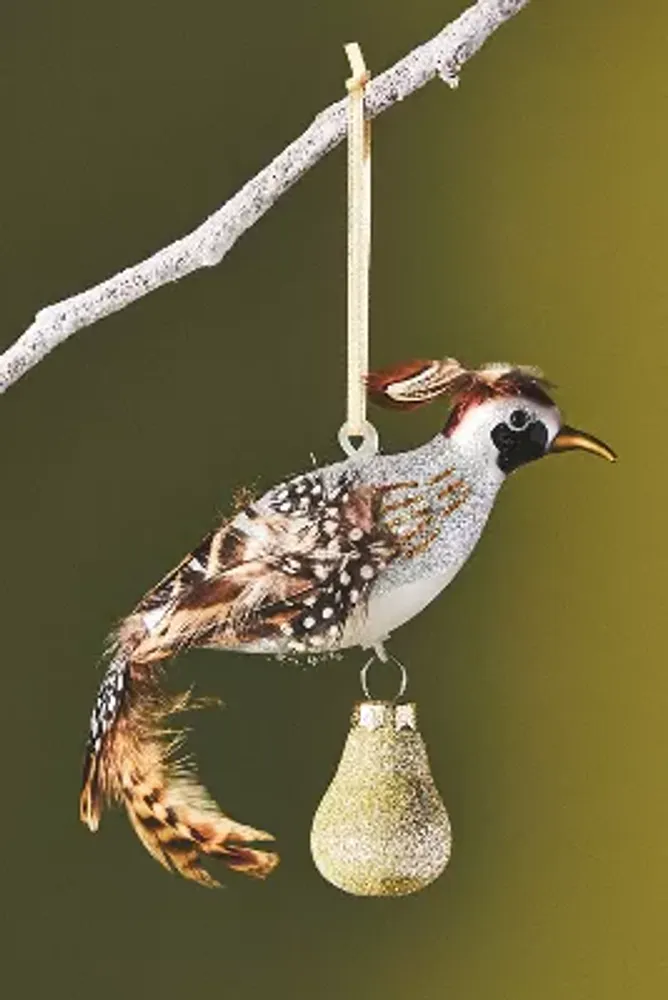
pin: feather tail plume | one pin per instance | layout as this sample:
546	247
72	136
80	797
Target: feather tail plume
130	759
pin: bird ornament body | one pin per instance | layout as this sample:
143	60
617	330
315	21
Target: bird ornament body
335	558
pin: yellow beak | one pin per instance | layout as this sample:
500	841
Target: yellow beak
570	439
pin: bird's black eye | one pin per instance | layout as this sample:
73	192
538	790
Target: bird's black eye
519	419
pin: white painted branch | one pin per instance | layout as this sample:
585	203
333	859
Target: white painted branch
444	55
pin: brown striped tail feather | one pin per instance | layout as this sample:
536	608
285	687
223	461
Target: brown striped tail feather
130	760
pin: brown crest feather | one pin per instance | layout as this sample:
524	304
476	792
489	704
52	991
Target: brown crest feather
414	383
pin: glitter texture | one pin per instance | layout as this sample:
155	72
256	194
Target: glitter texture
381	828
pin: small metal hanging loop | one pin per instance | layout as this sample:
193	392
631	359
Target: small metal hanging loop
403	683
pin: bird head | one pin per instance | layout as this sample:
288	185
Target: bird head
500	414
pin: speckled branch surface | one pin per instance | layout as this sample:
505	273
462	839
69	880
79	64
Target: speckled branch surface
444	55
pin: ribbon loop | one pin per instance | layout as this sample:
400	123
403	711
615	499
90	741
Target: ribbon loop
359	256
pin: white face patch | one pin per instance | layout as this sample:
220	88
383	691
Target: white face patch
473	435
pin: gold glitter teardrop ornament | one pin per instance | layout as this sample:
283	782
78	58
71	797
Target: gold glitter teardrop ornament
381	828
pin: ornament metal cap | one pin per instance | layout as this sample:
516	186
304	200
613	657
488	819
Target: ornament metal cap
374	714
381	828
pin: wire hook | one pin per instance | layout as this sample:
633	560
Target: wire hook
403	683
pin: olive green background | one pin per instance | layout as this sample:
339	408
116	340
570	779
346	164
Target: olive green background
522	218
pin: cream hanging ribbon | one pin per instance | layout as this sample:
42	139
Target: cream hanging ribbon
359	253
381	828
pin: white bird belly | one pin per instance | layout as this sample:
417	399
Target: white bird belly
390	609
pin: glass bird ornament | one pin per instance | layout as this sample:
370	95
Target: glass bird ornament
334	558
381	828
